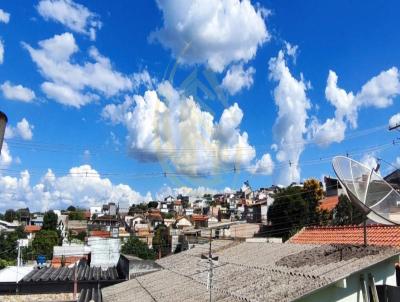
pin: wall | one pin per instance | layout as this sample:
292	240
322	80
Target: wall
384	273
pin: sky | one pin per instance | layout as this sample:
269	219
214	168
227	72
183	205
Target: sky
130	101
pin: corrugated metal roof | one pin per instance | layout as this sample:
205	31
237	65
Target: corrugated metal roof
14	273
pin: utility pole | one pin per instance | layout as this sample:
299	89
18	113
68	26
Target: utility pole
75	282
18	264
210	273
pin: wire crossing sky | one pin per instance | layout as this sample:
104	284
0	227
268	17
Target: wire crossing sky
133	101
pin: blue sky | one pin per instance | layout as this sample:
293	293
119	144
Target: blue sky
292	114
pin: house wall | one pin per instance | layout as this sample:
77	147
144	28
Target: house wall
384	273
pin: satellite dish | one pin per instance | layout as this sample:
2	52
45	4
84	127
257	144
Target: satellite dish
368	191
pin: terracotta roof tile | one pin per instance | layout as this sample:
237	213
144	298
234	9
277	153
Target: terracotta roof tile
104	234
329	203
376	235
32	228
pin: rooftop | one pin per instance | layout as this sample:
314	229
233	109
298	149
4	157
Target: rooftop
376	235
273	272
32	228
329	203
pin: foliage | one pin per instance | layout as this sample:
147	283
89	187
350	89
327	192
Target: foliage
71	209
168	215
160	240
152	205
50	221
138	248
10	215
4	263
8	246
137	209
44	242
312	194
346	213
76	215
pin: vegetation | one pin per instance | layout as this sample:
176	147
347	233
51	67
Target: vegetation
346	213
138	248
76	215
50	220
160	241
43	243
137	209
11	215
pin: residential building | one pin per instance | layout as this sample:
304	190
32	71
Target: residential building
259	271
6	226
37	220
183	223
31	230
104	251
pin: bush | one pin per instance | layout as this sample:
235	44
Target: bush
138	248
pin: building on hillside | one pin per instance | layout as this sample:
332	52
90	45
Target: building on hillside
154	218
178	208
95	211
109	209
77	226
188	211
31	230
6	226
24	216
256	212
199	221
183	223
37	219
328	203
332	186
69	254
169	199
104	251
273	272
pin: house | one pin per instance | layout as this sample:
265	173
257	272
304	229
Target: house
165	207
37	220
154	217
6	226
31	230
183	223
189	211
169	221
328	203
109	209
68	254
200	221
256	212
259	271
104	251
394	179
169	199
95	211
178	208
332	186
77	226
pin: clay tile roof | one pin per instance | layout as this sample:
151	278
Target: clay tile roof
329	203
104	234
32	228
380	235
199	217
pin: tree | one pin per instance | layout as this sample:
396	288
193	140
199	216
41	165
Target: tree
44	242
312	194
137	208
76	215
138	248
346	213
287	213
71	209
50	221
10	215
152	205
160	240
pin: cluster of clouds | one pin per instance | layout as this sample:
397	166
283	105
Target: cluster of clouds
22	130
83	186
17	92
166	125
294	128
4	18
215	33
74	84
199	192
74	16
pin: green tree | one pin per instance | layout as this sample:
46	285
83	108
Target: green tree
10	215
50	220
8	246
44	242
77	215
312	194
138	248
288	212
152	205
160	240
345	213
71	209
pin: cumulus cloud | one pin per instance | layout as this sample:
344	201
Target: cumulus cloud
378	92
23	130
166	191
82	186
394	120
370	161
215	33
238	78
4	16
73	84
1	51
5	156
143	79
265	165
17	92
290	125
165	125
70	14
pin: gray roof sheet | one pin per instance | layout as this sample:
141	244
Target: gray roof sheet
248	272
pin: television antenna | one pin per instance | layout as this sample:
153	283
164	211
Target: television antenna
368	191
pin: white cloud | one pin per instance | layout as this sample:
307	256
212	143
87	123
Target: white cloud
263	166
290	125
23	130
17	92
1	51
394	120
215	33
5	156
82	186
143	79
72	84
370	161
72	15
186	191
378	92
4	16
397	162
166	125
237	78
291	50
